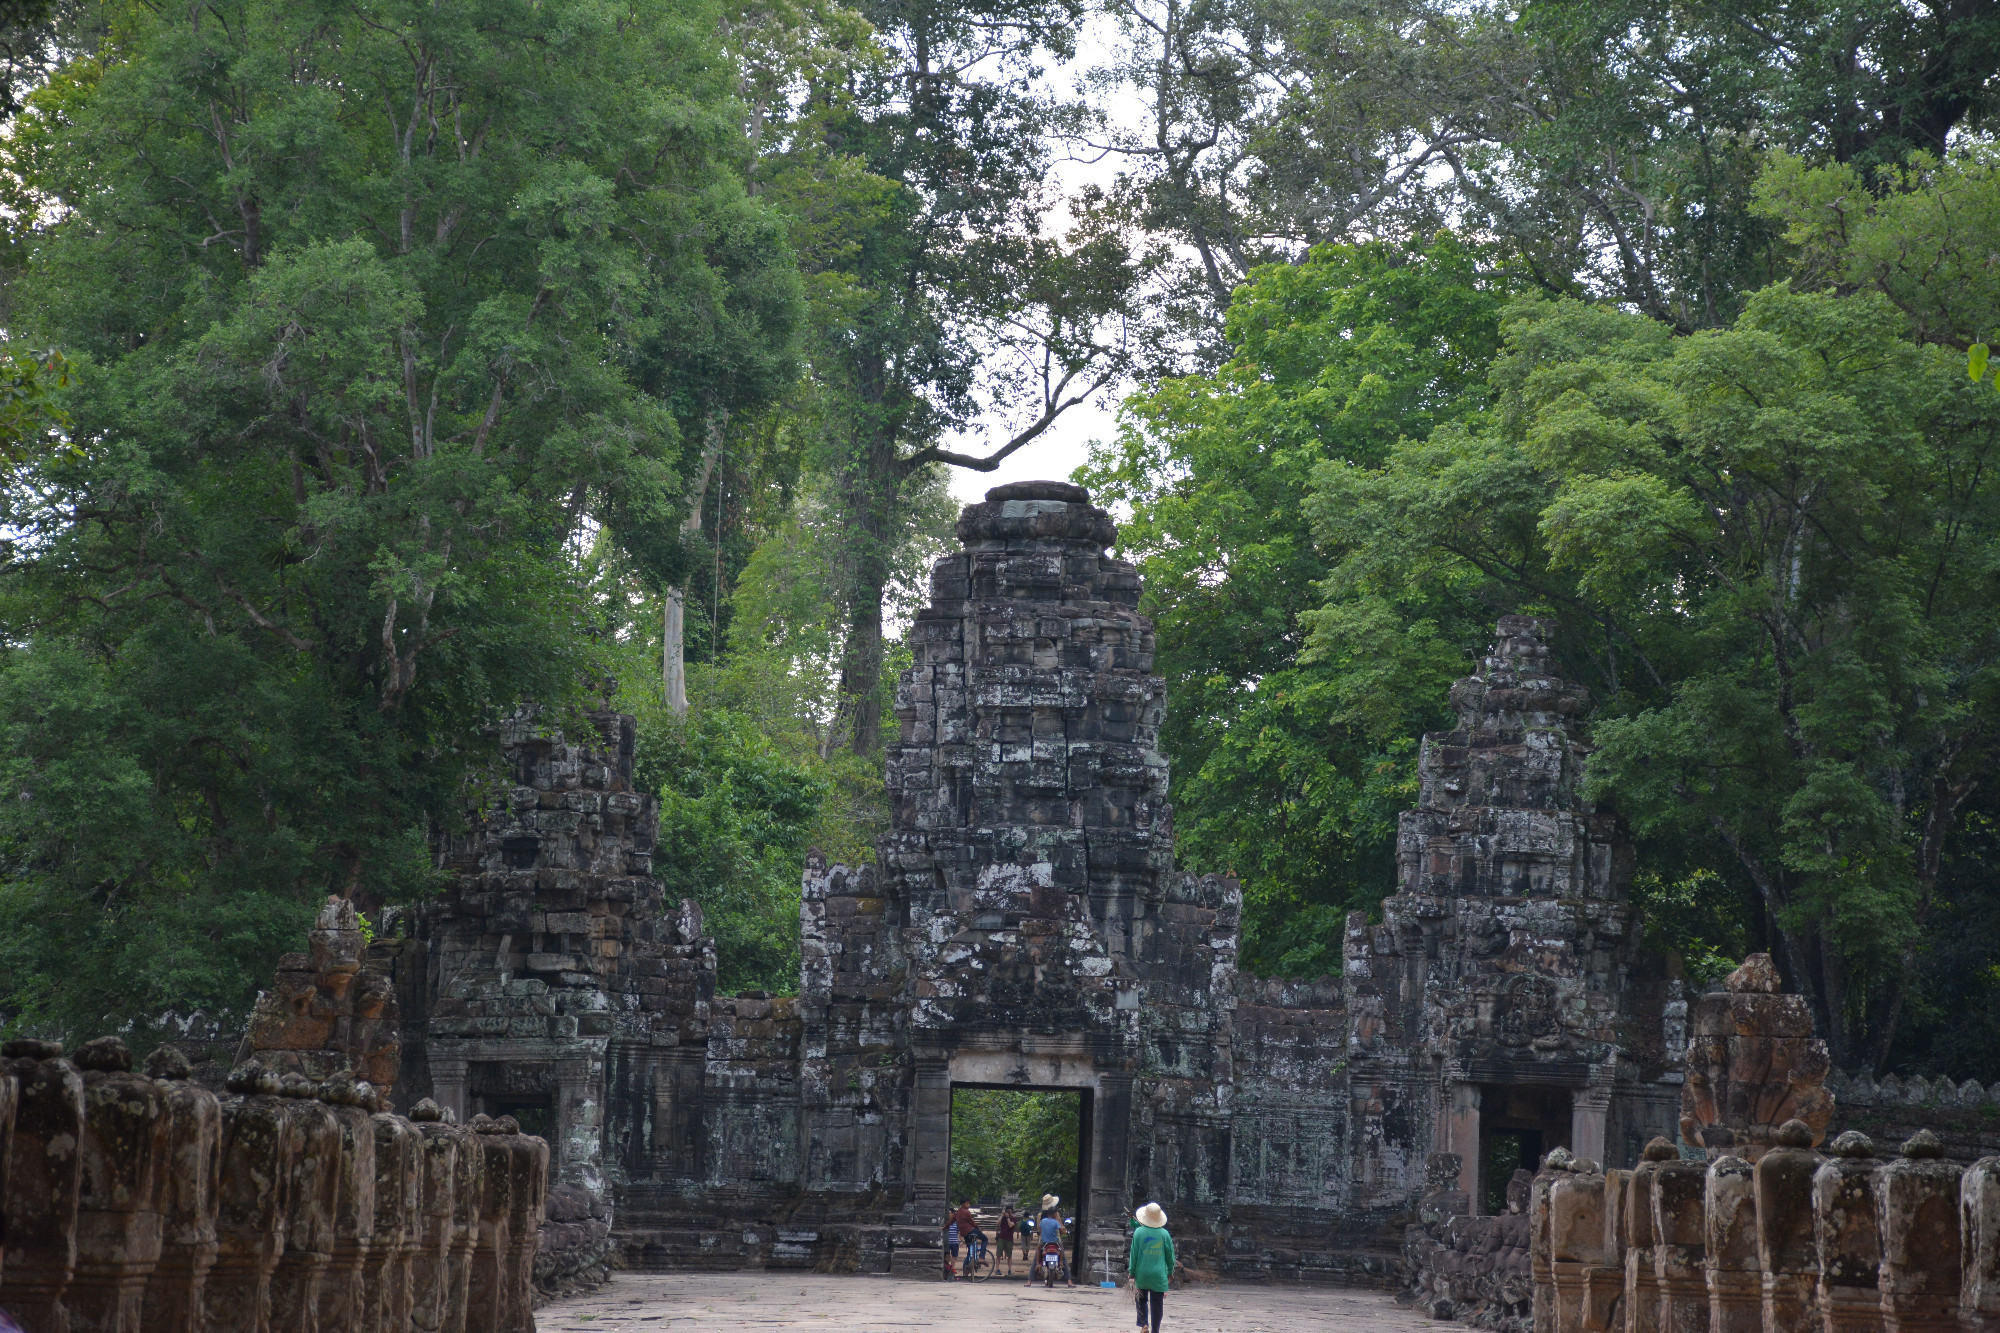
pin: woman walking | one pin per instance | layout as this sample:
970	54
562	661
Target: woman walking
1008	1226
1151	1261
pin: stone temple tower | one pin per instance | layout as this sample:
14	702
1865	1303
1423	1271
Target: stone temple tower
1504	998
1030	816
1023	926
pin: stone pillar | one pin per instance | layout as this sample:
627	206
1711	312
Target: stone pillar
1589	1117
468	1205
486	1301
1604	1283
1679	1238
1460	1135
1787	1257
528	1188
187	1200
448	1078
255	1170
930	1140
1979	1231
1920	1239
1110	1184
343	1292
578	1136
1735	1286
430	1259
312	1197
398	1192
44	1175
1848	1237
1576	1240
1541	1273
125	1151
1642	1280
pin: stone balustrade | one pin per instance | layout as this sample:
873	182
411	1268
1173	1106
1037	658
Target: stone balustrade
138	1200
1852	1242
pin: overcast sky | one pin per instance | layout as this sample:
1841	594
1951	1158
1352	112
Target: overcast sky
1065	445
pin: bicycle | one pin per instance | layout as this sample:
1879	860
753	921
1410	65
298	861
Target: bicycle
979	1261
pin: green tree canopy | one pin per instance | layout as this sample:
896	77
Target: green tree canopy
1771	550
379	312
1287	769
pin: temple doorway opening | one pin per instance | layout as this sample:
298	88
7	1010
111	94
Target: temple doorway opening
1518	1124
1011	1144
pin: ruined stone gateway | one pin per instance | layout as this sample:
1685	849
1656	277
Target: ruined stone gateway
1024	926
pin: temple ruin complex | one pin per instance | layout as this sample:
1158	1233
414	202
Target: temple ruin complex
1024	926
532	1080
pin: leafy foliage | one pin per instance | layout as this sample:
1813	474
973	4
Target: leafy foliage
1023	1142
1767	547
1290	766
363	304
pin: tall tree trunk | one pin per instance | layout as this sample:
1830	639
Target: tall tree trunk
673	655
673	636
861	674
1949	788
872	500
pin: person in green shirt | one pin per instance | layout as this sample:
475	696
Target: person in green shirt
1151	1261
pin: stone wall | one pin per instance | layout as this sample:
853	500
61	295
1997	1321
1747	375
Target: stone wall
1965	1117
1864	1240
139	1200
1291	1168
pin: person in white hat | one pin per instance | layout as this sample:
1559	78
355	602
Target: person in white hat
1048	1230
1150	1262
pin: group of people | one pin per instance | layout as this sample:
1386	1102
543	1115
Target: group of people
1149	1262
1036	1237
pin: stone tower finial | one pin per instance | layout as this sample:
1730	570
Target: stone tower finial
1028	783
1515	688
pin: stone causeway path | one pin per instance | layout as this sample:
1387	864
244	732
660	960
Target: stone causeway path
728	1302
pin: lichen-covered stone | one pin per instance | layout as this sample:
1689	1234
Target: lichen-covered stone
396	1196
1787	1253
119	1199
259	1143
1921	1245
343	1290
1753	1063
324	1015
44	1175
1729	1214
312	1188
188	1201
1847	1233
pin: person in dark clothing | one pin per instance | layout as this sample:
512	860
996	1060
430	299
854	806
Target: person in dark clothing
1008	1226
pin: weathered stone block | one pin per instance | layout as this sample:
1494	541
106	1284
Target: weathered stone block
1847	1233
44	1176
118	1223
188	1201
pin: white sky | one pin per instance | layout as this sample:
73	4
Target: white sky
1052	457
1065	445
